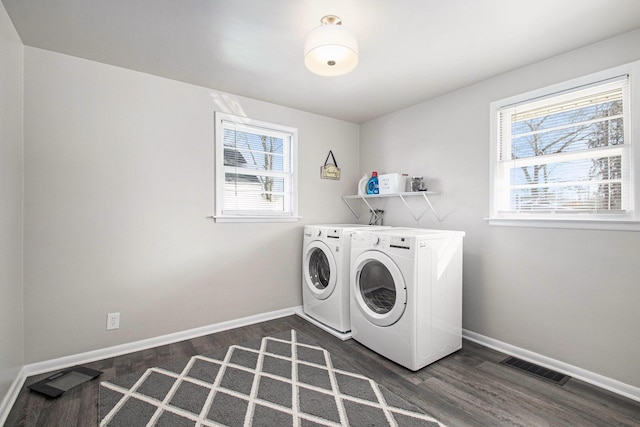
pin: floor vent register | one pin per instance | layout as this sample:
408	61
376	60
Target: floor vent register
538	371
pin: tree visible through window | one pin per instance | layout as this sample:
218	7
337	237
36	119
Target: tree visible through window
257	177
565	153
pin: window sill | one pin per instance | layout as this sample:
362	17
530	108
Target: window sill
579	224
229	218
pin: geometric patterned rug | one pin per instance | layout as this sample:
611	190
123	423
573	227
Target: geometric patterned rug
283	380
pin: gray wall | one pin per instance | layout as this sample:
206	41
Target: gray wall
538	289
11	306
119	181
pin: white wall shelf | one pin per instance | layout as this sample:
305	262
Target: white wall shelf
402	196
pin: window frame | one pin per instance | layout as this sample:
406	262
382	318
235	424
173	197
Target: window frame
630	219
290	152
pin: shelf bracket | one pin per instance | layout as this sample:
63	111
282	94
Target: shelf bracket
417	218
344	199
373	211
402	197
431	206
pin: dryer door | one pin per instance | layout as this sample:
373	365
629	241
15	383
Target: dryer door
319	270
380	291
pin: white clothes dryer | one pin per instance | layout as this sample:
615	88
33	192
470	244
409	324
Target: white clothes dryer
326	252
406	293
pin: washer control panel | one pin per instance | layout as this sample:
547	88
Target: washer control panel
400	242
312	232
385	241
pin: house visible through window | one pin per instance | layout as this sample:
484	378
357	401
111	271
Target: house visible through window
255	170
564	155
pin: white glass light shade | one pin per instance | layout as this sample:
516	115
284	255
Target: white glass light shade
331	50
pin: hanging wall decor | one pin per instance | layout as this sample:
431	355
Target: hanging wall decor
330	170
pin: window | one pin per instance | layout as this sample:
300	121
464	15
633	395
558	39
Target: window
256	171
565	153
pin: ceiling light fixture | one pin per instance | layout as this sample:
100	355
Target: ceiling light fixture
331	49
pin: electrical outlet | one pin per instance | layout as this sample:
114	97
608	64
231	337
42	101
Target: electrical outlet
113	321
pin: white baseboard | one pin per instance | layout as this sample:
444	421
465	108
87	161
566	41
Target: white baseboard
11	396
598	380
105	353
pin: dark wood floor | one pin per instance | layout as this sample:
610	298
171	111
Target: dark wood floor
468	388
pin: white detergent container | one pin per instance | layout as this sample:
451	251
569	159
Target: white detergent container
362	185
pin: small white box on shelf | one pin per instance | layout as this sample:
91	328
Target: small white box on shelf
391	183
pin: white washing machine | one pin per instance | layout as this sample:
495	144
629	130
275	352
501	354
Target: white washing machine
326	251
406	293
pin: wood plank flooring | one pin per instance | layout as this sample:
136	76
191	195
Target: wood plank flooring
468	388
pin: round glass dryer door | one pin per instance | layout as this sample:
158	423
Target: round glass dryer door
380	291
319	270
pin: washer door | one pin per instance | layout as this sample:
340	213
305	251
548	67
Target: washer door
319	270
380	291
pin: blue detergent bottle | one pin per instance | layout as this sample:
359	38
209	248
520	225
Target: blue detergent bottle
372	184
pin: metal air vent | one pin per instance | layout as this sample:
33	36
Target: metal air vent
538	371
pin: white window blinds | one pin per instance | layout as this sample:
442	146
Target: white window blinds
565	153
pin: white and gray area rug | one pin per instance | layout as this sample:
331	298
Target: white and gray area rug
283	380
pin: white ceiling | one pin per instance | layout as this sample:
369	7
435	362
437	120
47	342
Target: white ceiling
410	50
